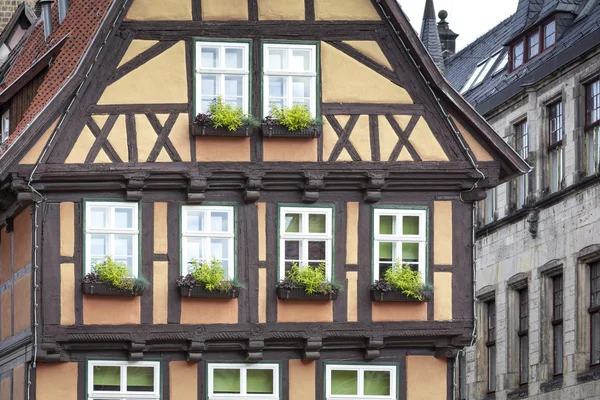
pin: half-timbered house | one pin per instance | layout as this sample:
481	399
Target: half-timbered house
106	159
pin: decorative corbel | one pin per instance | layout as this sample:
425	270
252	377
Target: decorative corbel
533	219
197	186
445	352
373	346
195	350
22	190
253	186
315	181
255	350
312	349
52	352
136	351
374	186
473	195
135	186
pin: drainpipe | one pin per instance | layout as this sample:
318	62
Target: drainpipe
47	16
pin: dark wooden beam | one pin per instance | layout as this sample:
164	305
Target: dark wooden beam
102	140
141	59
343	138
163	137
372	109
309	10
138	108
403	138
196	10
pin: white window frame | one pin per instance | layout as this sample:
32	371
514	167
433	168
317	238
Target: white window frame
398	238
5	126
123	394
112	232
243	381
268	72
306	237
392	369
208	234
221	72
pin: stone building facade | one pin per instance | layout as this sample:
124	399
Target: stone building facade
8	7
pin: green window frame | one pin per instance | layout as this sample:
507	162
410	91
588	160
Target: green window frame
123	380
232	381
400	234
361	381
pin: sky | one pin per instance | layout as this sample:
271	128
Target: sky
469	18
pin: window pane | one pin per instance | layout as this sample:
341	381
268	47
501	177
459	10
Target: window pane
387	225
220	248
492	368
123	218
209	57
195	221
99	217
595	353
534	48
301	87
386	251
316	251
316	223
277	87
226	381
234	86
260	381
549	34
277	59
196	249
123	245
140	379
292	250
300	60
524	359
558	349
107	379
410	225
344	382
377	383
234	58
99	245
219	221
209	85
410	252
293	223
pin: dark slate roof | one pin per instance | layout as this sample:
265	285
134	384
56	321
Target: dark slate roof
578	38
430	35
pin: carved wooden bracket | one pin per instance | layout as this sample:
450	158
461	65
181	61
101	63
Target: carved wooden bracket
136	351
197	186
253	186
195	350
374	186
315	181
373	346
255	350
135	186
23	192
52	352
312	349
473	195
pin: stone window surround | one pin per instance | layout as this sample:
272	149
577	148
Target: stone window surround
579	95
515	284
511	195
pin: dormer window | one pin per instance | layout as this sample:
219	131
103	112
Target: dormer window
5	126
518	50
549	34
533	44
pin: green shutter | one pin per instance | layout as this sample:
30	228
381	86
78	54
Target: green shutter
107	378
259	381
140	379
377	383
226	380
344	382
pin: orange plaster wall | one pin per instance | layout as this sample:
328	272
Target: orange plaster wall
304	311
22	303
209	311
99	310
184	380
6	313
5	257
283	149
22	226
57	381
302	380
222	149
426	377
382	312
19	382
5	388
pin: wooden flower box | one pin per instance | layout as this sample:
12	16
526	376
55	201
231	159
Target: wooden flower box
209	130
200	292
275	130
105	289
379	296
300	294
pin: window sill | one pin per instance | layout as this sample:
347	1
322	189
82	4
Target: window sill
209	130
554	383
520	393
281	131
105	289
592	374
300	294
395	296
200	292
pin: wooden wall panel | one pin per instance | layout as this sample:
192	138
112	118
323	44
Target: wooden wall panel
19	382
5	256
6	388
222	149
345	10
352	293
442	296
36	150
292	150
22	240
22	306
262	295
160	228
6	313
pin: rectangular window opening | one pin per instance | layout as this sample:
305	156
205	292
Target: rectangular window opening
594	312
549	34
518	51
557	324
522	147
243	381
118	380
555	145
491	345
361	382
523	334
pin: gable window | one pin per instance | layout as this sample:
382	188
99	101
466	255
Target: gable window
290	76
222	70
555	145
243	381
549	34
592	121
123	380
518	55
521	147
523	334
305	238
594	311
345	381
399	235
533	45
5	125
208	232
491	345
111	230
557	323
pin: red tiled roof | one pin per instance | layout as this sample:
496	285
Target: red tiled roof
79	27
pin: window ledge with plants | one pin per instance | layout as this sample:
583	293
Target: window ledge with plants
207	279
223	119
401	284
307	283
294	122
111	278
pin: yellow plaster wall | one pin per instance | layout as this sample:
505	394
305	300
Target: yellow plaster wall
67	294
302	380
104	310
102	158
160	292
352	233
304	311
6	313
136	48
281	10
56	381
387	312
345	80
371	49
345	10
352	278
118	138
230	10
209	311
442	232
426	144
290	150
35	152
160	228
222	149
82	147
330	138
479	152
426	378
261	209
67	229
361	138
387	138
180	137
262	295
183	377
442	296
146	137
161	80
163	10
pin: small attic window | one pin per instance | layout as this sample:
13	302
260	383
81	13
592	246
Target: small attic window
482	70
501	65
532	44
